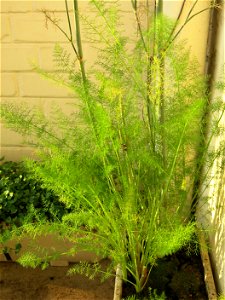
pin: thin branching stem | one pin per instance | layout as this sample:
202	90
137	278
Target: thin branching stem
186	22
68	20
55	23
138	22
177	20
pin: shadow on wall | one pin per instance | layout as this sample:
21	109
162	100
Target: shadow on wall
215	207
217	238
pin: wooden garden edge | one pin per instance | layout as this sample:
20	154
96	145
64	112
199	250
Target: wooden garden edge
206	262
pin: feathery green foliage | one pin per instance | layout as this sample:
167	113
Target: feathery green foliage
124	163
152	296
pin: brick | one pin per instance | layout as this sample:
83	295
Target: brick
127	18
18	57
8	85
17	153
5	29
9	137
33	6
56	5
32	85
46	56
31	27
90	55
67	106
28	101
16	6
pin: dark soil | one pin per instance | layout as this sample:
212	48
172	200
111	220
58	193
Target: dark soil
179	276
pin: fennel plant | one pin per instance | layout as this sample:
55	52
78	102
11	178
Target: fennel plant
125	161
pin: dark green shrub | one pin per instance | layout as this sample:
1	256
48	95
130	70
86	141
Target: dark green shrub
23	198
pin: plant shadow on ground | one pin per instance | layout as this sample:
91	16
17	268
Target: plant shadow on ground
52	283
180	276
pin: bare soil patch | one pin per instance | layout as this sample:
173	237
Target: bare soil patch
18	283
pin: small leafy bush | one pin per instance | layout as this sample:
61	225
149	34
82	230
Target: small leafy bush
22	197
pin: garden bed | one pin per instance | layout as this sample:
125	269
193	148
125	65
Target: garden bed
21	283
180	276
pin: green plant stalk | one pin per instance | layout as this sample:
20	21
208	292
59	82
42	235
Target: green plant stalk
174	162
82	66
70	39
160	7
68	20
78	40
122	135
162	83
162	108
151	53
147	47
134	4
